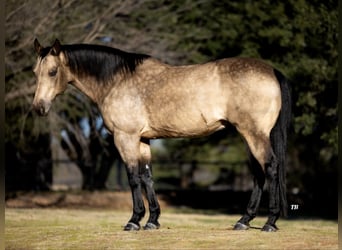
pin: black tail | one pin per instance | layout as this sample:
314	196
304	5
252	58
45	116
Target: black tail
279	136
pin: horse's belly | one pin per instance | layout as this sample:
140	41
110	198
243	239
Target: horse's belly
182	128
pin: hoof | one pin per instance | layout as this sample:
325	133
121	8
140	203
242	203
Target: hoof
241	226
151	226
269	228
131	227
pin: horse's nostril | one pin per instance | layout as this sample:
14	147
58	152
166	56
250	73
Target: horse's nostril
40	107
42	110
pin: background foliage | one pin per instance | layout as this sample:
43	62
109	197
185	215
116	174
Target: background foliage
299	37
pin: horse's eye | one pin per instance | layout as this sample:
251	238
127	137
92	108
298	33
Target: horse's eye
52	72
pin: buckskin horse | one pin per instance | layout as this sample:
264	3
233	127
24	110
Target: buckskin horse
141	98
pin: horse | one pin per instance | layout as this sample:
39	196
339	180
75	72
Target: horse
141	98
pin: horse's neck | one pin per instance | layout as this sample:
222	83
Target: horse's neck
97	91
90	88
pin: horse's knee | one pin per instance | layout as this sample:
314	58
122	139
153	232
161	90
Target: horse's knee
133	180
146	176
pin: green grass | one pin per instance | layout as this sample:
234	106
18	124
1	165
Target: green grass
102	229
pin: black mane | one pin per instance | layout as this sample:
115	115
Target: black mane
100	62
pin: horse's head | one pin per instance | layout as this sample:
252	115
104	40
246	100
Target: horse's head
51	74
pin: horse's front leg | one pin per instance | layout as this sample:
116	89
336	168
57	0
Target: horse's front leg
134	180
146	170
128	146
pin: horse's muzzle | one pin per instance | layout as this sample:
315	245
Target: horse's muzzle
42	107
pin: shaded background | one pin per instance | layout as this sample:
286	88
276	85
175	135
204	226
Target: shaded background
70	149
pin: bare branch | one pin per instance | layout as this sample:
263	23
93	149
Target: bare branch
12	13
18	93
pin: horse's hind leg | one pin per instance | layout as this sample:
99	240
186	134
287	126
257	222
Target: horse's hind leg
146	177
253	205
261	149
271	167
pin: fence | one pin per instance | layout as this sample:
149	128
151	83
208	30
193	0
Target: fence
64	174
212	175
167	175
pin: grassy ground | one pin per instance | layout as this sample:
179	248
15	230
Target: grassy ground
102	229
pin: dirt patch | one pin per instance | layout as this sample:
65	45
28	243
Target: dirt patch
96	199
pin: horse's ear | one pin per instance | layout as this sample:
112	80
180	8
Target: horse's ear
38	48
56	48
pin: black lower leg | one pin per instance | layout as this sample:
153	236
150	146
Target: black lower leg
274	195
154	207
253	205
138	204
